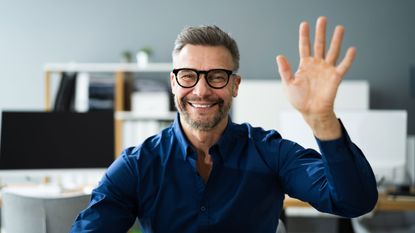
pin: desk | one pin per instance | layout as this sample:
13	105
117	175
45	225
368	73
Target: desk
385	203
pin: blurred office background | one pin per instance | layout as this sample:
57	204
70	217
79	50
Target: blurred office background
33	33
36	32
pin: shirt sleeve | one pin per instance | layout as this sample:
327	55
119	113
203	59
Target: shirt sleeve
338	181
113	206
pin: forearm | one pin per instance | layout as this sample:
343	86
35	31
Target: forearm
324	126
113	205
339	181
350	177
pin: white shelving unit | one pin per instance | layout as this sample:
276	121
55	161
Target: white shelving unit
120	71
132	116
107	67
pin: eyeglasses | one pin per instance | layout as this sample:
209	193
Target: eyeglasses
215	78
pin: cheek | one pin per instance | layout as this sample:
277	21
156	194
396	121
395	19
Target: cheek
175	89
226	96
180	92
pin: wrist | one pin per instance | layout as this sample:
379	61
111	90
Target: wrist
324	126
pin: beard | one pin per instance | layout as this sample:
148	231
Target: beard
202	124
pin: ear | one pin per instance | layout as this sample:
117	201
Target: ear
173	83
235	86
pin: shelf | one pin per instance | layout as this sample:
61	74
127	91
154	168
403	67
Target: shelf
121	72
132	116
107	67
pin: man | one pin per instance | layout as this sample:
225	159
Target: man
205	173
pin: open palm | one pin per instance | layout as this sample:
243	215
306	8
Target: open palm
312	88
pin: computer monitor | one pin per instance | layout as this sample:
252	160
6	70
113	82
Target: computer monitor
246	108
380	134
56	140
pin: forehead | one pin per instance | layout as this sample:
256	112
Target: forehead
203	57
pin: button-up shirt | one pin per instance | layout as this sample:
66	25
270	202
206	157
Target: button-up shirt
252	171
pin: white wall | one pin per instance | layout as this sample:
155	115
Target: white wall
36	32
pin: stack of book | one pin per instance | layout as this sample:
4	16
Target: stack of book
82	92
101	93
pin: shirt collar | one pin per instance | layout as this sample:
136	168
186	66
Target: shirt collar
228	139
225	143
184	145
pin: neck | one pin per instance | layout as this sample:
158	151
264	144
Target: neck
202	140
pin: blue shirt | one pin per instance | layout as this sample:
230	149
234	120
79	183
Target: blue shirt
252	171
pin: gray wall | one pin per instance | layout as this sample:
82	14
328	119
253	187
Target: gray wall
35	32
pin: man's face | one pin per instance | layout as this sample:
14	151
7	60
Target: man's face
202	107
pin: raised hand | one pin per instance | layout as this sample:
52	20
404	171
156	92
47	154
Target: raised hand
313	87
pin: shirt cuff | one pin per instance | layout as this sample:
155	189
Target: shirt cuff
336	148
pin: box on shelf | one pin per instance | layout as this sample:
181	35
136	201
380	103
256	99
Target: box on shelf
150	97
150	102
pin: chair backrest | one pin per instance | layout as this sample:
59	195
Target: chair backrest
22	214
281	227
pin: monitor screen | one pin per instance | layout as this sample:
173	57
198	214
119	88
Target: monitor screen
56	140
380	134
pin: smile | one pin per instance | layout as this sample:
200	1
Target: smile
201	105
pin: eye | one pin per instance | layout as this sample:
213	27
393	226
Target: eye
186	78
187	75
217	76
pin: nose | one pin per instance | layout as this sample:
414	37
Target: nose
202	88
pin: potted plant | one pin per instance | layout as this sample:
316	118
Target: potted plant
126	57
143	56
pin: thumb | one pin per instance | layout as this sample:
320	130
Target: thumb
284	68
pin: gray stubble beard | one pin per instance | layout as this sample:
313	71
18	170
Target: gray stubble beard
198	125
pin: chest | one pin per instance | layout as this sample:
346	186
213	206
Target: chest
181	197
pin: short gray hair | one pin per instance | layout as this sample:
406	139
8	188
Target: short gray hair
207	35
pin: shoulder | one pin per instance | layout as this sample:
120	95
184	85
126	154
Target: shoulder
151	147
269	143
264	141
256	134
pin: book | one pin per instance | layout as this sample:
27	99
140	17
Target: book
65	96
101	93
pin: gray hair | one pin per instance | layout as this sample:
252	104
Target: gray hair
207	35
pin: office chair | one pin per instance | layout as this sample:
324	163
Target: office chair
281	227
22	214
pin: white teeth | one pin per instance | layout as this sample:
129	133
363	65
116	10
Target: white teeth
201	105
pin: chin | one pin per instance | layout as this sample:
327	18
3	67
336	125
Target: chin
202	121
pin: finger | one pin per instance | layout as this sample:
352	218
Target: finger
320	37
284	69
335	45
304	42
344	66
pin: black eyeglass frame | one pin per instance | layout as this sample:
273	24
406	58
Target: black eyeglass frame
205	72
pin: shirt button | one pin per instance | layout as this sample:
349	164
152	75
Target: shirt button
203	208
